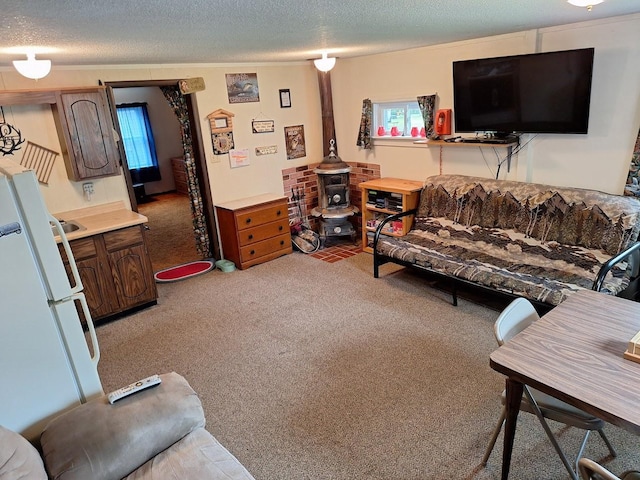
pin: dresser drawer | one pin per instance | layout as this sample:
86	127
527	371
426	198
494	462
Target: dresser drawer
265	247
257	234
261	215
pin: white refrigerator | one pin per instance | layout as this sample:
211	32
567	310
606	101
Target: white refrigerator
47	363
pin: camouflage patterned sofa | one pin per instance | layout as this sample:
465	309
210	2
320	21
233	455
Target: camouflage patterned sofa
536	241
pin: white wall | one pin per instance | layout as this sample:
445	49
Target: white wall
263	175
598	160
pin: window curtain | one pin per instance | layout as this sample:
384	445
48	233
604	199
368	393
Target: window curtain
138	141
179	105
632	187
427	104
364	134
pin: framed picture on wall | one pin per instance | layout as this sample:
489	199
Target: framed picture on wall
242	87
294	138
285	98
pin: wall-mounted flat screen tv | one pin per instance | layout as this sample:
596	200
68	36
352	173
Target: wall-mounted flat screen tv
534	93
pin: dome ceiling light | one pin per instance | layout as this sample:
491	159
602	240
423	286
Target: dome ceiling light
325	63
32	68
585	3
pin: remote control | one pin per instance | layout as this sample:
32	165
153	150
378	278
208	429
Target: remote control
116	395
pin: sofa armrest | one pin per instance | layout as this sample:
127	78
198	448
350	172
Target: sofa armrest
101	441
632	253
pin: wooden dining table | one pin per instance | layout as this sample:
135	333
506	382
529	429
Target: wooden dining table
575	353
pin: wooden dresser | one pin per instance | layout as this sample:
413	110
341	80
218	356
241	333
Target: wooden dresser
254	230
179	175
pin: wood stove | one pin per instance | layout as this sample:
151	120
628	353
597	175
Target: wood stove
334	207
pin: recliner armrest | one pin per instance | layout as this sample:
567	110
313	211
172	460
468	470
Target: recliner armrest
101	441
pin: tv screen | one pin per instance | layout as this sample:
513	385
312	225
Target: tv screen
534	93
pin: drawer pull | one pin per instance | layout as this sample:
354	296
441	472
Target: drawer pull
278	213
281	242
251	237
248	220
252	252
280	228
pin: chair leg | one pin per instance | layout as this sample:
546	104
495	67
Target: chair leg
550	435
494	437
581	451
606	441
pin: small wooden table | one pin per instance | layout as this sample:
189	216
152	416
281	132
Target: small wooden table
575	353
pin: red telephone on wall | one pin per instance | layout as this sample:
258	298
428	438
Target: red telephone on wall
443	122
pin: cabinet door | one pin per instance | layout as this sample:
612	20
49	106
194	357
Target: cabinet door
92	150
96	278
133	276
98	289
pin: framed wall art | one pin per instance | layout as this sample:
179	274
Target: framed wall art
222	142
242	87
294	139
285	98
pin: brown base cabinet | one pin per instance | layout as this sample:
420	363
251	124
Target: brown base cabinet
115	270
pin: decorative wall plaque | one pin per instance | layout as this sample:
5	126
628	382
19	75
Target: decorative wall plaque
222	142
191	85
266	150
263	126
221	121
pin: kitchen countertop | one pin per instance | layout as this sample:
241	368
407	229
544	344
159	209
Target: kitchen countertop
100	219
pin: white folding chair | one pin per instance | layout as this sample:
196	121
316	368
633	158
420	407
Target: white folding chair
518	315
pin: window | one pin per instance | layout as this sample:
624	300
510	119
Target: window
137	138
396	118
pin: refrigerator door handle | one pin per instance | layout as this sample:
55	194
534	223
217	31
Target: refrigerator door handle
92	331
72	262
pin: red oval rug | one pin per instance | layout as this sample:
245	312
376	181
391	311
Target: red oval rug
180	272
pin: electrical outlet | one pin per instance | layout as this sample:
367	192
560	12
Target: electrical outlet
88	188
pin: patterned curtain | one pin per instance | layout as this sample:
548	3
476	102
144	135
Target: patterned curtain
364	134
179	105
427	104
633	178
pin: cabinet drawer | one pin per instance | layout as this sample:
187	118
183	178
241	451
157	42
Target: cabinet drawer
265	247
122	238
257	234
252	218
81	248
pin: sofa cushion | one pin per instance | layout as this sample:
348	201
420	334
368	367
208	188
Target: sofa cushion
500	260
100	441
18	458
198	455
569	216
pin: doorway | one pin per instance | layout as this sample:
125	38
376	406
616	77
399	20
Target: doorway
179	221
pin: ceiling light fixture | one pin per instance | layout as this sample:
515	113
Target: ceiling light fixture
585	3
325	63
32	68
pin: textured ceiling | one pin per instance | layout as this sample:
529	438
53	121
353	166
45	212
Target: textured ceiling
92	32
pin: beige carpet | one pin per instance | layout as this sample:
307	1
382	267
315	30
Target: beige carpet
316	370
170	235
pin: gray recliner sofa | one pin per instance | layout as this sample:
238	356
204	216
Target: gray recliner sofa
158	433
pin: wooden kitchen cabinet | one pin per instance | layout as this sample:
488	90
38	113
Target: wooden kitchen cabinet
115	270
254	230
85	126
